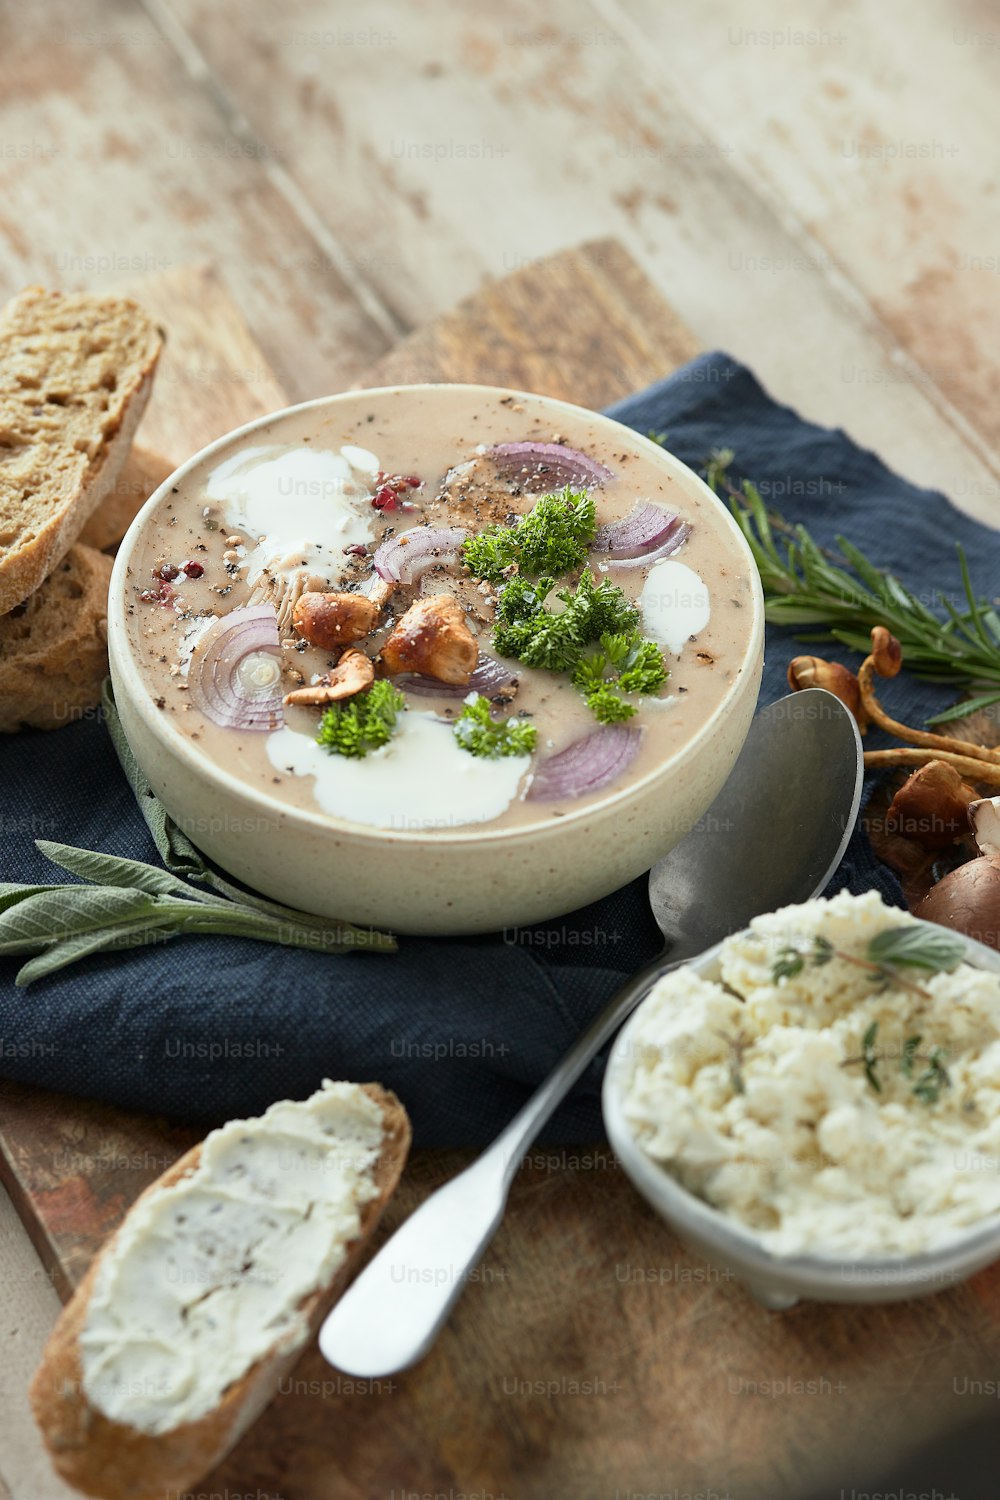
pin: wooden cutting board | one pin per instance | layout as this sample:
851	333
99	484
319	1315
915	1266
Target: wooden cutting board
592	1356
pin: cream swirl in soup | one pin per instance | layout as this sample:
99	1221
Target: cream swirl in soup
428	610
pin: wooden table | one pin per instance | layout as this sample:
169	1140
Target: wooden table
593	1353
821	205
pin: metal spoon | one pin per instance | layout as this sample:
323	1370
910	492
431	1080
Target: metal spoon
773	836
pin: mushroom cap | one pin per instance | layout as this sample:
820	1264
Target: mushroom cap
967	900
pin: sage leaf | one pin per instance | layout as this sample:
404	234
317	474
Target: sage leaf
110	869
59	954
363	936
240	921
125	903
935	949
174	847
68	911
181	856
11	892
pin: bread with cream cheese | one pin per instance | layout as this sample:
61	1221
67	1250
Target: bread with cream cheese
120	1342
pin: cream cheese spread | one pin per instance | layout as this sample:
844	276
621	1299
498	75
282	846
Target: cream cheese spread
752	1091
208	1275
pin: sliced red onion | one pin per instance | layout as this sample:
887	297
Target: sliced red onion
586	765
647	527
234	676
543	467
671	543
489	677
403	558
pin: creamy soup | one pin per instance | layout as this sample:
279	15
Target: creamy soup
327	573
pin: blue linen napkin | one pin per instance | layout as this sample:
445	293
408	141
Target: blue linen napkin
204	1028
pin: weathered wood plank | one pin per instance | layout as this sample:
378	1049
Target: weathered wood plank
115	161
877	138
467	144
212	376
630	334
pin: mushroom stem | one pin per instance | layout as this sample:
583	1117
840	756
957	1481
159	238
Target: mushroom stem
986	772
943	746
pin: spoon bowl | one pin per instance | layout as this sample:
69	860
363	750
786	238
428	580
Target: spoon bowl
779	826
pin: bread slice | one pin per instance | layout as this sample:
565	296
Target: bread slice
75	375
107	1458
142	473
54	646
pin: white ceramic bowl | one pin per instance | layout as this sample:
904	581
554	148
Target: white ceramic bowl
440	882
781	1281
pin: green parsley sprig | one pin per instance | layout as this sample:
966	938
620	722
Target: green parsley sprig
477	731
555	639
362	723
623	663
552	538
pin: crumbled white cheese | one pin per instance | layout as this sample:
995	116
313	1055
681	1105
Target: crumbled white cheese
750	1092
208	1275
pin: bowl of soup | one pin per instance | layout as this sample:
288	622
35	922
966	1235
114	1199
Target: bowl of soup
443	659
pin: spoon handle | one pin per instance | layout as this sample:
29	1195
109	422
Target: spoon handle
391	1315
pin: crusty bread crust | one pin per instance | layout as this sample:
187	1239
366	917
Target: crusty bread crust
116	1462
54	646
66	481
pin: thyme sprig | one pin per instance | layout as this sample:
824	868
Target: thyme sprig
737	1046
824	596
933	951
927	1087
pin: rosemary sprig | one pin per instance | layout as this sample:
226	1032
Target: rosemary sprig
823	596
120	903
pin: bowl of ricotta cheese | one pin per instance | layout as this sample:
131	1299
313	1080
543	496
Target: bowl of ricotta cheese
442	659
814	1105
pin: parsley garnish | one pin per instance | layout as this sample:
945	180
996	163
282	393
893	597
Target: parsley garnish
525	559
552	539
478	732
362	723
557	640
625	663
